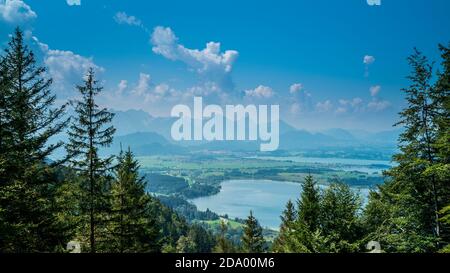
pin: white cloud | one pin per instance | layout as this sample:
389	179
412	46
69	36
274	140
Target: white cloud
341	110
123	18
354	105
14	11
147	92
143	95
295	88
324	106
143	85
368	60
65	67
73	2
375	90
374	2
210	63
301	99
378	105
122	86
260	92
162	89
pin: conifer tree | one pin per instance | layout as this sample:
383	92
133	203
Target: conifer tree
28	183
339	221
441	170
133	228
441	98
288	219
308	204
204	239
90	130
252	239
418	187
5	100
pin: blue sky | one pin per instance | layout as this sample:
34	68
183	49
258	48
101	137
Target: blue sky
329	64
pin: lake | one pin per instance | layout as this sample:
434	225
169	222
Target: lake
267	200
346	164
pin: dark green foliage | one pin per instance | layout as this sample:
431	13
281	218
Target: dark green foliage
179	186
252	239
287	225
28	184
186	209
197	240
203	239
404	214
45	204
132	224
339	221
308	204
323	222
88	133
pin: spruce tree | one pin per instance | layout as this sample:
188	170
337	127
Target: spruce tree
417	188
304	235
252	239
204	239
288	219
417	142
441	170
441	98
28	182
5	107
308	204
89	132
339	218
133	228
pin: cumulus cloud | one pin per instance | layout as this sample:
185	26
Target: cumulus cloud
324	106
123	18
341	110
122	86
368	60
13	11
295	88
65	67
143	94
147	92
374	2
260	92
300	99
143	84
375	90
378	105
73	2
210	63
353	105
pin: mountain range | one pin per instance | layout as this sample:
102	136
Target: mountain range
148	135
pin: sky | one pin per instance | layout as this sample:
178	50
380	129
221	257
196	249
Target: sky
327	63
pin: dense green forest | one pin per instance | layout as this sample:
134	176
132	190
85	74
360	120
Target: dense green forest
102	203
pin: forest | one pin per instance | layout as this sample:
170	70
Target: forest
102	203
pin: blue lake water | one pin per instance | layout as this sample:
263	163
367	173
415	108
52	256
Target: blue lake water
267	199
346	164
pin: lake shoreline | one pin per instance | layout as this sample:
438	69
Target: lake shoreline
266	198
